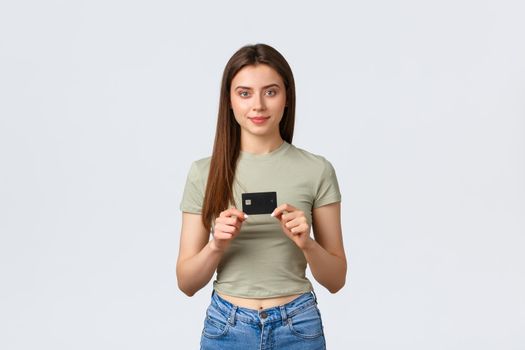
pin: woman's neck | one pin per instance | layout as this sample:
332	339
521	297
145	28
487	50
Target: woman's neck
261	146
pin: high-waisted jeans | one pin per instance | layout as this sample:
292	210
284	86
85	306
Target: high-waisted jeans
295	325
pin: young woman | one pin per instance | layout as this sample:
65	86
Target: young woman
261	298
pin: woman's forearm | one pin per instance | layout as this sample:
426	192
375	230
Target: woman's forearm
195	272
327	269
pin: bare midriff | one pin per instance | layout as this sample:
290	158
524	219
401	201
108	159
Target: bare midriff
258	304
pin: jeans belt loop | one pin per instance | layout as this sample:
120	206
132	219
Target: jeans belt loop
284	315
315	296
231	317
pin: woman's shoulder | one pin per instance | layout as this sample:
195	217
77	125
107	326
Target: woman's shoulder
202	162
309	158
199	167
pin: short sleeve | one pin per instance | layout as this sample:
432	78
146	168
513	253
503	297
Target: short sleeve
328	187
193	195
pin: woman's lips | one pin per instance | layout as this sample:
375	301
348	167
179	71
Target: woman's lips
259	120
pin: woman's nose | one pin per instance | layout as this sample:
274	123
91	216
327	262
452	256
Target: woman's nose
258	102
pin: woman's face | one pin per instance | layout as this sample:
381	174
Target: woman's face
258	91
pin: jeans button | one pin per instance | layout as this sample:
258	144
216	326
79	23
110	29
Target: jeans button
263	314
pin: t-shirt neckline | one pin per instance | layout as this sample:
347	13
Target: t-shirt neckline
252	156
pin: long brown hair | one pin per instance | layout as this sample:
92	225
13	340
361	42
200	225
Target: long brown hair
226	147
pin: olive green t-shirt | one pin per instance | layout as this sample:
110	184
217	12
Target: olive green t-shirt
262	262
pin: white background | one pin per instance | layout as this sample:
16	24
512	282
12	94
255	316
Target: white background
419	105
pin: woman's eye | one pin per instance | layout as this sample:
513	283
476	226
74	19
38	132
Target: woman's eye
246	93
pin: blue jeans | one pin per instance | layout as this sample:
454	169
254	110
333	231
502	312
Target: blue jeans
295	325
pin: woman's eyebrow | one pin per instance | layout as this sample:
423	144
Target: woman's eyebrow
264	87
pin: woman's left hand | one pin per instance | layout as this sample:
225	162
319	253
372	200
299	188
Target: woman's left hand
294	224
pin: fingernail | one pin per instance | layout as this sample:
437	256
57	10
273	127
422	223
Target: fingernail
271	214
246	216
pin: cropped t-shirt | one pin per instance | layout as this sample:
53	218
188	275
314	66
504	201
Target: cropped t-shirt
262	262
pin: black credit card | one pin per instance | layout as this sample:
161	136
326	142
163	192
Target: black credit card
259	202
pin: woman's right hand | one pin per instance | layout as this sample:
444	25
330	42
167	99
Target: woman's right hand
227	227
